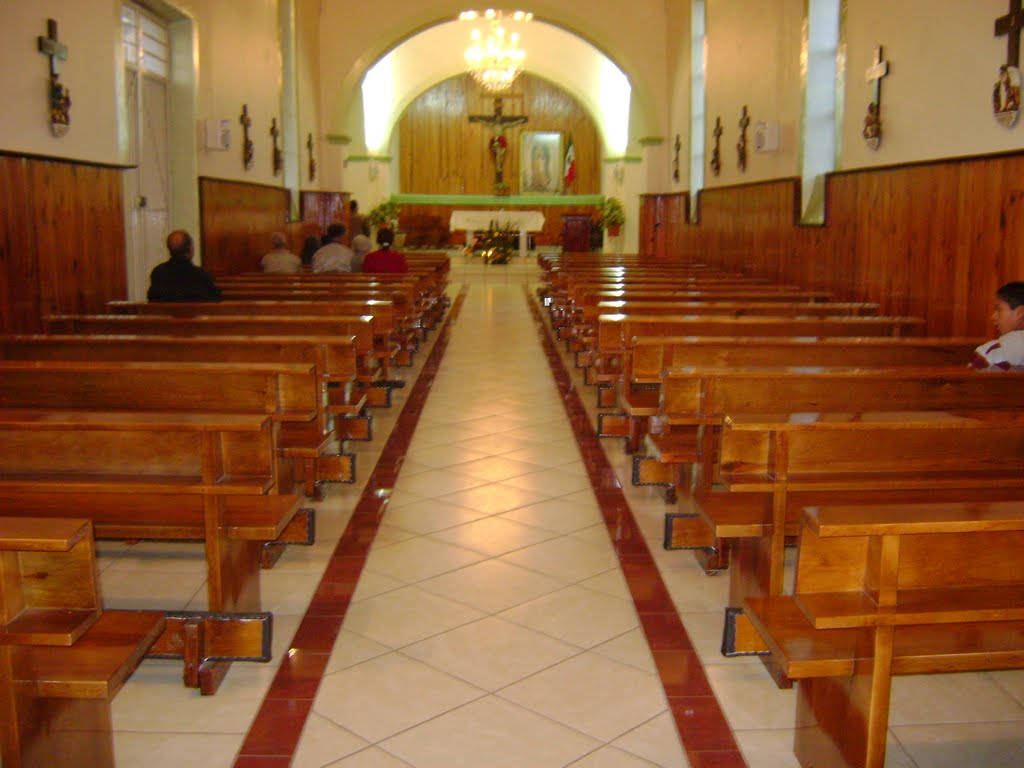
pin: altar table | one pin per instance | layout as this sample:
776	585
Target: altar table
475	221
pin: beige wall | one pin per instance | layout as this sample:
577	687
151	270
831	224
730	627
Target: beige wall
937	98
753	60
90	30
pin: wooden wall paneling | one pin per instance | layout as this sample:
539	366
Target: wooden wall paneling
550	235
63	239
237	220
441	152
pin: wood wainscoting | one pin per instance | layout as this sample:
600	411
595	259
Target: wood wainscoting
238	218
932	240
62	247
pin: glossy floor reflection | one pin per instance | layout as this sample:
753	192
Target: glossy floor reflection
509	604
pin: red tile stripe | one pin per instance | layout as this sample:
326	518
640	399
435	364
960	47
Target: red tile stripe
705	733
274	734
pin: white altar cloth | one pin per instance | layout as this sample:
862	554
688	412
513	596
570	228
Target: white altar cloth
474	221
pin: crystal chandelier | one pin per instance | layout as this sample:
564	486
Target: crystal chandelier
496	60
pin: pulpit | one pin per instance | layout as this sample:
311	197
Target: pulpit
576	232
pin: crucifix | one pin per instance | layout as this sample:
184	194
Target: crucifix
716	154
872	132
675	159
1006	93
60	97
741	145
248	152
275	154
498	144
312	162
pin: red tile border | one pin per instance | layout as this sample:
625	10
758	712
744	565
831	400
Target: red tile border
274	734
698	716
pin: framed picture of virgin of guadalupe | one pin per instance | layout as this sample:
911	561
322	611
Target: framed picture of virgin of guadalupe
540	163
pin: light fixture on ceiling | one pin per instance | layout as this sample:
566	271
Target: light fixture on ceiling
495	60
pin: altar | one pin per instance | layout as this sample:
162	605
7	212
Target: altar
476	221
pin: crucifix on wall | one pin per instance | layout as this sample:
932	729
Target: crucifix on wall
60	96
275	153
872	132
312	162
498	143
1006	92
675	158
716	152
741	145
248	151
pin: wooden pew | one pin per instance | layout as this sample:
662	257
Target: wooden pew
695	402
616	334
334	357
891	590
372	368
772	466
62	657
291	394
638	392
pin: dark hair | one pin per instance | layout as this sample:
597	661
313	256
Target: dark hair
311	246
335	231
385	237
1012	294
353	206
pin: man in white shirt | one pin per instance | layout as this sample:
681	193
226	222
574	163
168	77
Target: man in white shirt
1008	350
334	256
280	260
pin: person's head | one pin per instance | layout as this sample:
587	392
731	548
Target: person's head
279	241
385	237
309	247
179	245
335	232
353	206
1009	313
361	245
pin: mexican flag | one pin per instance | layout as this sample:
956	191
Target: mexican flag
570	164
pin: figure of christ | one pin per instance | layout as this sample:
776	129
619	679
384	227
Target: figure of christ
498	144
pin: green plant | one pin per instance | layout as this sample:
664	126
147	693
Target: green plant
384	214
613	215
495	245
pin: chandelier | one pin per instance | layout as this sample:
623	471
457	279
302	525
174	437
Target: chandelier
496	60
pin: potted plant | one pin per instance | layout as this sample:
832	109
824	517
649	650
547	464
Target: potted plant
384	215
496	245
613	216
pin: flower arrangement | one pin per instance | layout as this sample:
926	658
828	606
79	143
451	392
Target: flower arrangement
613	215
495	245
384	214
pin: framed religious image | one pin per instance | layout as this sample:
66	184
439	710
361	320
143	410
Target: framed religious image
541	163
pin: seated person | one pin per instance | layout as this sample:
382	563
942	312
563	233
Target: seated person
178	279
334	255
311	246
361	245
384	259
1008	350
280	260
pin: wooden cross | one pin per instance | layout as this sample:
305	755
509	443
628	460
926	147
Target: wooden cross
499	121
49	46
716	155
1011	25
741	145
879	68
675	159
275	154
248	152
312	162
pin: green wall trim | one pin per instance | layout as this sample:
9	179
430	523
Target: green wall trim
368	158
338	138
651	141
498	201
623	159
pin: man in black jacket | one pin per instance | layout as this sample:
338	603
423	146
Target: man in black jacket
178	279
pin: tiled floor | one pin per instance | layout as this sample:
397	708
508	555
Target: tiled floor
492	620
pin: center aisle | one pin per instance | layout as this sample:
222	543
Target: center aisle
492	625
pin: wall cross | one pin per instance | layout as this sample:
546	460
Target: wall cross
312	162
1011	25
741	145
716	153
60	96
248	151
275	154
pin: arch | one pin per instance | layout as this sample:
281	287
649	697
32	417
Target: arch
439	44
